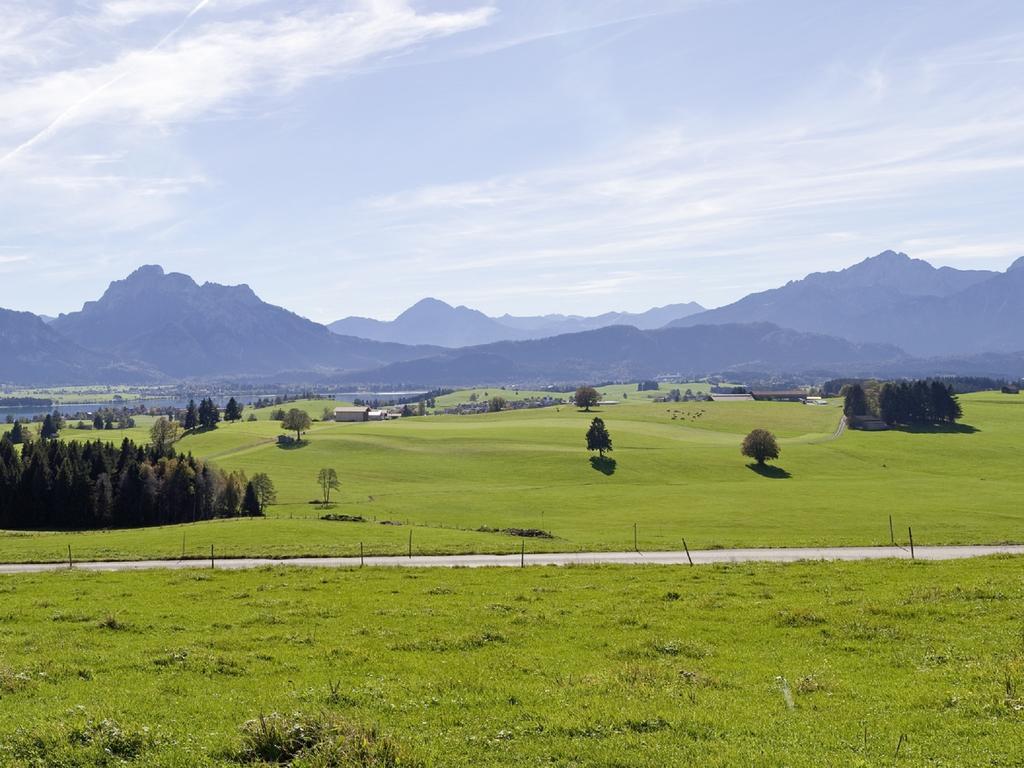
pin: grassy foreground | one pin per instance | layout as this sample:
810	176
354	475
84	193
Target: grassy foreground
800	665
677	473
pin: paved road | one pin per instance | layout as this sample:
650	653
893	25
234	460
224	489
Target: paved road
701	557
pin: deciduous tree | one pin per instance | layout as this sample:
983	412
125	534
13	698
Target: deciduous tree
328	480
296	421
761	446
586	397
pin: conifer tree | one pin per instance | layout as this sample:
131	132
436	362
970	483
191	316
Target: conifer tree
232	411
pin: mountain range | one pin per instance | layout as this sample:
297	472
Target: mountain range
926	311
625	353
889	313
167	322
431	321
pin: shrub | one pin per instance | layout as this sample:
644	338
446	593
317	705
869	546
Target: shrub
317	741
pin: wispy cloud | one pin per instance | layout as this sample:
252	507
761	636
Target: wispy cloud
855	164
75	108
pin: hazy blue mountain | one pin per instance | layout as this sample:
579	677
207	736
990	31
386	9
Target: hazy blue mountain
428	321
188	330
889	297
624	353
431	321
553	325
32	353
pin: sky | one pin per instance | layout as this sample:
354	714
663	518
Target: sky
349	157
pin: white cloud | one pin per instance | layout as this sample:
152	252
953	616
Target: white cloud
852	164
76	107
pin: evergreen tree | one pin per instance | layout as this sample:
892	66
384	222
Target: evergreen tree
17	433
856	401
191	422
97	421
251	502
49	429
598	438
232	411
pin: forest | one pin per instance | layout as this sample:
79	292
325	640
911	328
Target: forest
71	485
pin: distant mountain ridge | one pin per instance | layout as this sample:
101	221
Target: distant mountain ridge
186	330
888	314
436	322
33	353
625	352
891	297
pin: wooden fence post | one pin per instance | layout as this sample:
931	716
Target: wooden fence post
910	533
687	552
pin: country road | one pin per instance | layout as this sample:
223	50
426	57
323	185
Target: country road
699	557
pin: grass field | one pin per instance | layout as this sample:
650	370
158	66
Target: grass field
610	392
678	474
798	665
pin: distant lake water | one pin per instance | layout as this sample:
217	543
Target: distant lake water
23	413
28	411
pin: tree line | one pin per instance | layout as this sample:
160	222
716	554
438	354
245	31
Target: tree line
59	485
903	403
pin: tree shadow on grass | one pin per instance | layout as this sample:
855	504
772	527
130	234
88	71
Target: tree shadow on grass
294	445
937	429
767	470
604	464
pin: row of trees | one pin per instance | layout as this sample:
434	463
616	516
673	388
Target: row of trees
896	403
58	485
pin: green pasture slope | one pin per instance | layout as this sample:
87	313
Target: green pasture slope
803	665
678	473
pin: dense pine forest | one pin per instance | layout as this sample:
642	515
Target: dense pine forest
903	403
58	485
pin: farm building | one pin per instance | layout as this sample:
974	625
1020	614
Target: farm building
729	397
376	415
352	413
781	396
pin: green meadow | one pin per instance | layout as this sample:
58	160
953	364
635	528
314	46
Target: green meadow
811	664
677	474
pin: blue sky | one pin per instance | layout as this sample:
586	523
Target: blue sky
529	157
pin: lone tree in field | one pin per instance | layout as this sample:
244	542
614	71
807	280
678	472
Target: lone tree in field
296	421
761	445
232	411
328	480
497	403
598	438
586	397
